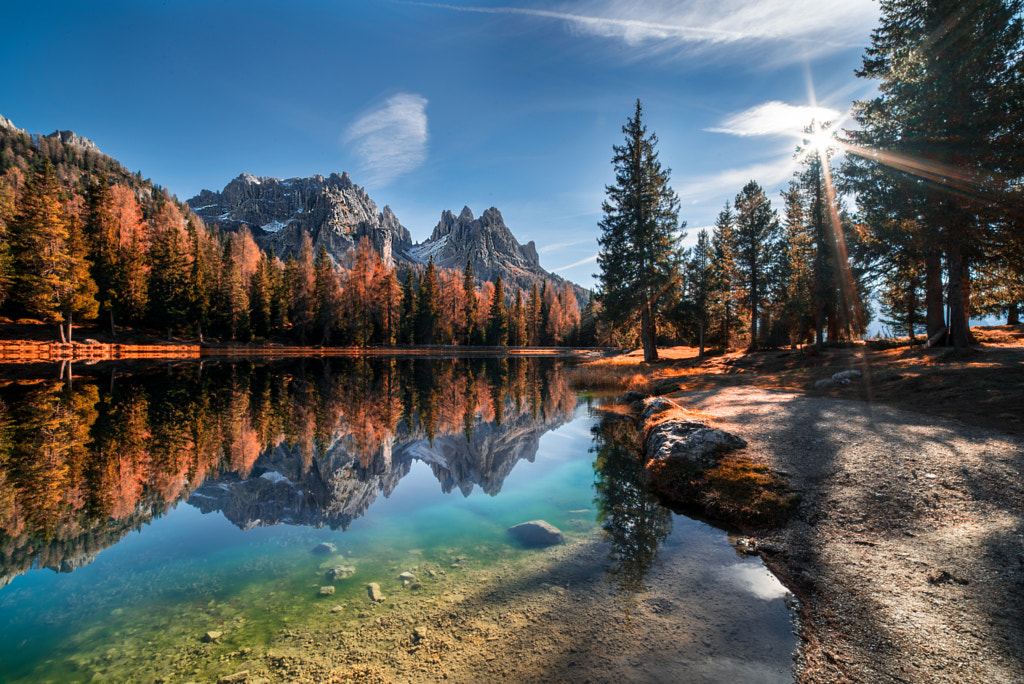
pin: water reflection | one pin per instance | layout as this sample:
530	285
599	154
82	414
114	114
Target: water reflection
633	520
310	442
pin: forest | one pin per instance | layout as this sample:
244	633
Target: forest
910	214
81	239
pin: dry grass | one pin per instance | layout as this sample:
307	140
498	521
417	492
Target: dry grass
736	490
609	378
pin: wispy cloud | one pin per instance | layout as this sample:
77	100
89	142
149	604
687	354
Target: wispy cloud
581	262
558	246
775	118
666	25
391	139
768	175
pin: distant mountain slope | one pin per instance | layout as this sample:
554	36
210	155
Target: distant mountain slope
336	214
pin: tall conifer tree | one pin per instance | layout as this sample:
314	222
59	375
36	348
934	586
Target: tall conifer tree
640	256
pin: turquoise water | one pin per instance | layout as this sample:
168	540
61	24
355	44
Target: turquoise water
140	609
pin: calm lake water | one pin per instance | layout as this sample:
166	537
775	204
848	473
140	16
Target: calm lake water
163	522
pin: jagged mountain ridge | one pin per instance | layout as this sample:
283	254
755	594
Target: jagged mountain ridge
340	486
336	214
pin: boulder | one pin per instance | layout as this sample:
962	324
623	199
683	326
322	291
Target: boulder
696	443
325	548
536	533
326	591
212	637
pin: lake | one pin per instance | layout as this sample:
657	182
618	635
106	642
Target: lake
194	521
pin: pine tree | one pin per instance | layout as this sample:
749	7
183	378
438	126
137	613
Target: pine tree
639	257
700	276
428	307
497	318
724	304
328	297
533	317
798	242
517	322
469	313
408	310
169	259
301	282
944	132
49	251
757	227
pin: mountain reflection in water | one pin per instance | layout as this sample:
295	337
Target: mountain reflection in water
309	441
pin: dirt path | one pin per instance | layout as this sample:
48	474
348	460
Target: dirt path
908	549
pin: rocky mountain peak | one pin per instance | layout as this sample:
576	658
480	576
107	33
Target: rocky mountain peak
336	213
69	138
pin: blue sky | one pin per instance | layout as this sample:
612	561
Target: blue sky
433	106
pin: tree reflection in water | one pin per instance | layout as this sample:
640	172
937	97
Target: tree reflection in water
633	520
83	463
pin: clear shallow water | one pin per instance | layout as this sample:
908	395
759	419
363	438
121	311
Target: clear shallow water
674	588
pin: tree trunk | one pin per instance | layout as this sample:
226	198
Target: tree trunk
113	330
700	351
934	318
1013	315
647	334
958	327
69	327
60	327
199	329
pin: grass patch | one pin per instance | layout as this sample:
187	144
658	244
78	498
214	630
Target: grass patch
606	377
736	490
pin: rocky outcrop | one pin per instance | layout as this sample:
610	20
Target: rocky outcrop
335	212
69	138
693	442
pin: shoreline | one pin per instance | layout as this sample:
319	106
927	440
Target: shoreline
26	351
907	572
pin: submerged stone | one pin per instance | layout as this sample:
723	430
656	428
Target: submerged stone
341	572
212	637
537	533
373	589
324	548
326	591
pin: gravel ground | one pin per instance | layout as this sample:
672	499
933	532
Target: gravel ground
908	548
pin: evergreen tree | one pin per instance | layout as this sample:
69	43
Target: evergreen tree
497	318
301	282
757	227
700	277
639	257
533	317
260	295
428	306
49	250
725	300
408	325
517	322
101	228
169	268
944	132
328	298
469	312
798	241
